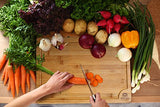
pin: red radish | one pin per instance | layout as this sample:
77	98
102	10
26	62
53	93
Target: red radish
86	41
61	46
117	27
116	18
109	30
124	20
105	14
98	50
110	23
102	23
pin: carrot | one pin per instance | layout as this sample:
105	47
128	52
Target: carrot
11	79
77	80
89	75
17	79
9	86
28	81
2	61
23	79
99	78
94	83
92	79
33	75
6	77
4	71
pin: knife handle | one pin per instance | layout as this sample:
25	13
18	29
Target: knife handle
94	97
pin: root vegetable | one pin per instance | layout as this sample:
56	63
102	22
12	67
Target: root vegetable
98	50
102	23
124	54
105	14
86	41
45	44
101	36
80	27
116	18
114	40
68	25
92	28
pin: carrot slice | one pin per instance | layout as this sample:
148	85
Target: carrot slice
28	81
77	80
23	79
2	61
94	83
33	75
99	78
92	79
89	75
11	79
17	79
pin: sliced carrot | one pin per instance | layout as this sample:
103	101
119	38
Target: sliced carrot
9	86
92	79
2	61
99	78
17	79
28	81
89	75
11	79
77	80
94	83
23	79
33	75
4	71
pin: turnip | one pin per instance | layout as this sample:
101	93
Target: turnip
98	50
114	40
124	54
86	41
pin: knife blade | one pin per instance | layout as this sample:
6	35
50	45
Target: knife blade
92	94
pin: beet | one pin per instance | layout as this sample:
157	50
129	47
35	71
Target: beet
98	50
86	41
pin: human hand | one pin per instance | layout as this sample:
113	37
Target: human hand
58	82
99	102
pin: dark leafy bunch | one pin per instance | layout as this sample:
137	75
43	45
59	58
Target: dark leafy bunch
22	37
88	9
45	16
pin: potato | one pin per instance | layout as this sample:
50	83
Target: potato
101	36
80	27
92	28
68	25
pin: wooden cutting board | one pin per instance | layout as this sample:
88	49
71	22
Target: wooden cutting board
116	75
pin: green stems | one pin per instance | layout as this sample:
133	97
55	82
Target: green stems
43	69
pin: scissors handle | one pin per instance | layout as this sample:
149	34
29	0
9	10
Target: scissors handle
94	97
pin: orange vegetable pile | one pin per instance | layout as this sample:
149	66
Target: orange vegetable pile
17	77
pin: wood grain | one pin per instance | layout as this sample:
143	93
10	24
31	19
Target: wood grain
116	75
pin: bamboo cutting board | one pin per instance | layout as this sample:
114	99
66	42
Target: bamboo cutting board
116	75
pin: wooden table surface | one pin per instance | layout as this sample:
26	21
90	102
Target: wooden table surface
149	91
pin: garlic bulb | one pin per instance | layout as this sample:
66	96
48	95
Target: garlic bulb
45	44
114	40
57	38
124	54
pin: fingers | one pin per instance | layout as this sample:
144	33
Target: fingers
67	77
98	97
91	100
67	86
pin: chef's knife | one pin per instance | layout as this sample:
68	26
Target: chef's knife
93	95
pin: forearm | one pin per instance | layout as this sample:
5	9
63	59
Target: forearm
29	98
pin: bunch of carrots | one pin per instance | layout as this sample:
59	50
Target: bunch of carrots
17	77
